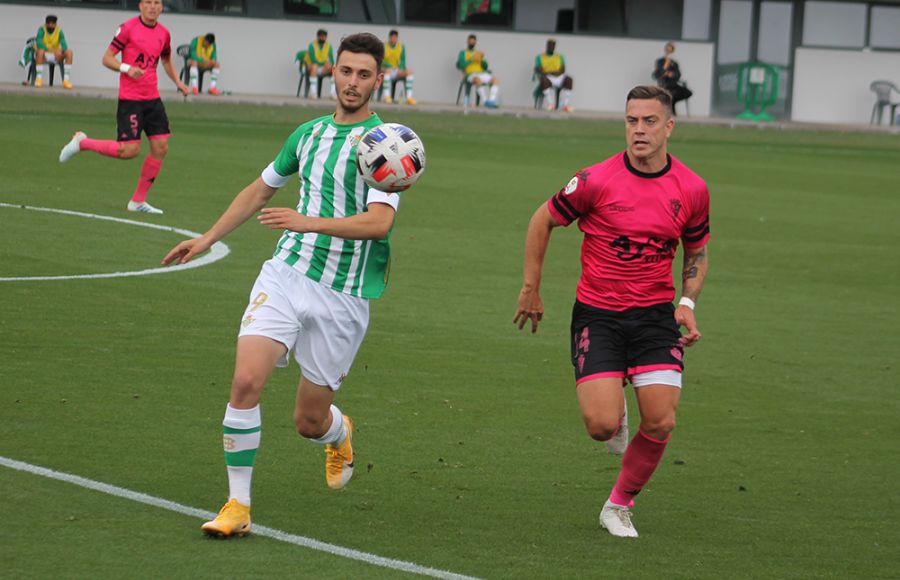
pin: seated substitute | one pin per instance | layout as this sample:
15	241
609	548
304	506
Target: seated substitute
204	57
668	76
319	61
394	68
51	47
551	68
475	69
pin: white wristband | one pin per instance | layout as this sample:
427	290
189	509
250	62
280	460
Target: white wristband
124	68
685	301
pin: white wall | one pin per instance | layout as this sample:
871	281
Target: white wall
832	86
257	55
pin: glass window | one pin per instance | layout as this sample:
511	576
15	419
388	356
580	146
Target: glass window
485	12
885	27
436	11
225	6
695	21
775	32
311	7
838	24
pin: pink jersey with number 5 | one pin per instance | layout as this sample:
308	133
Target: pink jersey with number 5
141	46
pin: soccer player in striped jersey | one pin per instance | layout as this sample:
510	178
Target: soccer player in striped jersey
633	208
312	297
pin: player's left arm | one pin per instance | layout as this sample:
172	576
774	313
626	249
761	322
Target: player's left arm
373	224
170	71
696	264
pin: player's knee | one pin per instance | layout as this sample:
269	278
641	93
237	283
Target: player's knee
308	426
601	428
129	150
246	387
658	428
159	147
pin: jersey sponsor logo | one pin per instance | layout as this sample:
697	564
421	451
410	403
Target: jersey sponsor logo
571	186
657	249
145	61
675	205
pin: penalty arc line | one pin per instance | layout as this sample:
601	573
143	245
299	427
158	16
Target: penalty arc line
218	250
265	531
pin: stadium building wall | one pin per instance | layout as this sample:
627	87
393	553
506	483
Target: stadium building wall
832	85
257	55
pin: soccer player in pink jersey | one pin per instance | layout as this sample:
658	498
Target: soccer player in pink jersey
633	208
143	42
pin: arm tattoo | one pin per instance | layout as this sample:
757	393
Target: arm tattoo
693	273
691	262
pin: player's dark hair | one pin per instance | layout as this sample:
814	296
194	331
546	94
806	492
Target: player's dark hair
472	36
393	33
50	18
363	43
321	31
211	38
651	92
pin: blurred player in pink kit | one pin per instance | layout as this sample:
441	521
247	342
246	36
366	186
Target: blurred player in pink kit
143	42
633	209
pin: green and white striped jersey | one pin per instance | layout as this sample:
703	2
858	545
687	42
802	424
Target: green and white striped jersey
324	154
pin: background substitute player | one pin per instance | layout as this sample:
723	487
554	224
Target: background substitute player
632	208
313	296
143	42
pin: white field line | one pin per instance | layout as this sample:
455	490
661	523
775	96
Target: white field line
279	535
217	252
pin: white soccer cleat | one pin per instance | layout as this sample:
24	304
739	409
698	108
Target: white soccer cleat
617	520
72	148
143	207
619	443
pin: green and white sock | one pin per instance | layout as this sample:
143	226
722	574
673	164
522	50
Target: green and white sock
213	78
67	73
409	87
241	429
195	74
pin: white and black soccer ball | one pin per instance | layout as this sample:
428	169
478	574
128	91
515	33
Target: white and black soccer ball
390	157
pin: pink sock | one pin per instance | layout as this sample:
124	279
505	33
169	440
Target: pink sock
108	148
638	464
149	171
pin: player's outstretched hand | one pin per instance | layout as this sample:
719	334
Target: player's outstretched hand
186	250
684	316
284	218
531	307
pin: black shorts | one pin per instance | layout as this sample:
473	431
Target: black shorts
136	116
606	343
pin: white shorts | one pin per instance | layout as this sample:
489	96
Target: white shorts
556	81
665	377
391	73
50	57
484	77
323	327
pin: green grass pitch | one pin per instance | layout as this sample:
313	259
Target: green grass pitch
471	453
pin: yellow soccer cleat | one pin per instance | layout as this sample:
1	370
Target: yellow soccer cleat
38	83
411	101
233	520
339	459
67	84
388	99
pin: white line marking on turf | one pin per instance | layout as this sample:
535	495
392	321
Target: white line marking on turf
216	253
257	530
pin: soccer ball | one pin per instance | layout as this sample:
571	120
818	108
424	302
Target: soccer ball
390	157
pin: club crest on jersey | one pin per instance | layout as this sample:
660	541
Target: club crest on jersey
571	186
676	207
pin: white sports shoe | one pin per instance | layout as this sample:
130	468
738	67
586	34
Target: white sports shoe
72	148
619	443
143	207
617	520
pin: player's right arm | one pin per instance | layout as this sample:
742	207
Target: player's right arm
119	41
530	306
249	201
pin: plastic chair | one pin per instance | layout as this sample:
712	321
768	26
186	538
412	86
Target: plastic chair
395	88
883	90
303	84
465	87
32	67
184	51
